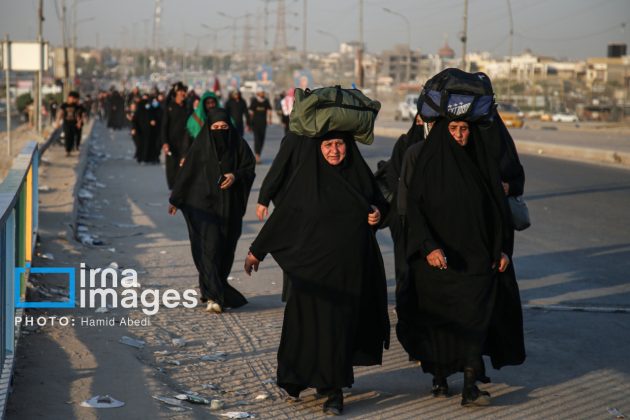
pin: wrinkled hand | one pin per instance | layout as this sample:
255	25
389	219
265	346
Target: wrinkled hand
227	183
262	212
172	210
375	216
506	187
251	262
437	259
503	262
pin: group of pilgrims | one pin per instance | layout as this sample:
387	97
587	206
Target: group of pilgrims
457	299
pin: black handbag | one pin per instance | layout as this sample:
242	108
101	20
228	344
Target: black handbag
520	213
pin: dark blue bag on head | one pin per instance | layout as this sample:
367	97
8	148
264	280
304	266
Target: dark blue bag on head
457	95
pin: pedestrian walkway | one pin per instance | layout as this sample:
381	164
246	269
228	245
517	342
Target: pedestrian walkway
232	356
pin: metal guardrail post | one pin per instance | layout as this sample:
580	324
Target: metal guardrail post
35	201
9	300
3	287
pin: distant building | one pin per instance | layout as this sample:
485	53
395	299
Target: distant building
617	50
397	60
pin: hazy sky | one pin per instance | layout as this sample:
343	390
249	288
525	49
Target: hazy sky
561	28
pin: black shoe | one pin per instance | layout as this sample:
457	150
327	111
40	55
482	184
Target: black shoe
474	397
293	391
440	388
334	404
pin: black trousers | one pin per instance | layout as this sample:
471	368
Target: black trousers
172	168
71	136
259	137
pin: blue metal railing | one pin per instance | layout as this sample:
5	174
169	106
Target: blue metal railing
18	231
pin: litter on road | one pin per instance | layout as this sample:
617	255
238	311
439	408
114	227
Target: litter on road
237	415
139	344
102	401
216	357
193	399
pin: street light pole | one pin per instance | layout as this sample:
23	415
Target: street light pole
408	70
40	70
304	30
464	37
509	81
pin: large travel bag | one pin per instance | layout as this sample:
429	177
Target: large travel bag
316	112
457	95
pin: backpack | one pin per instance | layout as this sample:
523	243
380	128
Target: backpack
457	95
316	112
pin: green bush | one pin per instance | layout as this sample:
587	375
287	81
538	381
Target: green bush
23	101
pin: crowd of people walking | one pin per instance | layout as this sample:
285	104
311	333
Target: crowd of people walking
443	195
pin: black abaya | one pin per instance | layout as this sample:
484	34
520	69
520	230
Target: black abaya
456	203
214	216
336	315
414	136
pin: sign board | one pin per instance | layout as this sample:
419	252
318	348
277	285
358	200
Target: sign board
25	56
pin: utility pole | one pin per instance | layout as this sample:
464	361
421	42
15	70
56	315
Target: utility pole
64	38
40	71
304	30
7	74
358	67
509	80
464	37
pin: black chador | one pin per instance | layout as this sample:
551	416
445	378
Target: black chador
175	135
291	153
214	216
336	315
449	318
414	136
146	123
115	110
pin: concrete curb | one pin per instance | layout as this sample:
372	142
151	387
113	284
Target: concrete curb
79	172
560	151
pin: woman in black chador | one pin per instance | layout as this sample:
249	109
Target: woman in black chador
211	189
322	234
464	299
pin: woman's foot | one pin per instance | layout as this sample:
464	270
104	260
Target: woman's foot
440	388
474	397
334	404
212	306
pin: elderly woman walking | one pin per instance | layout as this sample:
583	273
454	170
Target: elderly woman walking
458	249
322	234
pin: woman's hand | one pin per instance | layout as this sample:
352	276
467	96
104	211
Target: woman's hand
227	183
251	262
262	212
437	259
374	217
503	262
172	210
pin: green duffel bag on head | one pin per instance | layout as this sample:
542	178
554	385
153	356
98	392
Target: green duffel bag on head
316	112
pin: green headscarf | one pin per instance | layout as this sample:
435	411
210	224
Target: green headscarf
197	119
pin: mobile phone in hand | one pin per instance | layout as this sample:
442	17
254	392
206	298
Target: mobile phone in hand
221	179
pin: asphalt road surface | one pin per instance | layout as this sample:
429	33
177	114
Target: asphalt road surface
577	251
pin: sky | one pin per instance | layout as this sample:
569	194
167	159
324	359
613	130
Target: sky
565	29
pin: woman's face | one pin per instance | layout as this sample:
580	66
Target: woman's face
219	125
210	103
459	131
334	151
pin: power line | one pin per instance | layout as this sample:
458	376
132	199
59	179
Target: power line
572	38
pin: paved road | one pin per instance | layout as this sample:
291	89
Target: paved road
584	135
576	253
